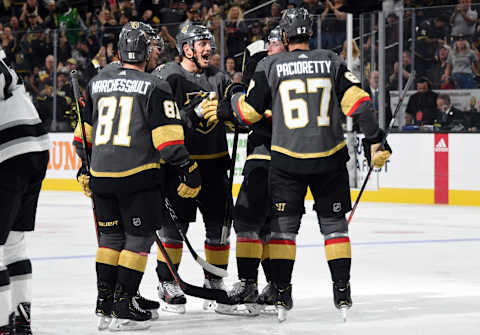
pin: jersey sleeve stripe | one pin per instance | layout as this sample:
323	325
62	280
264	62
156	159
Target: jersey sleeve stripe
353	98
77	134
246	113
167	135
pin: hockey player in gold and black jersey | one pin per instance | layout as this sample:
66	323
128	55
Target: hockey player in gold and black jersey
196	85
131	123
252	212
310	92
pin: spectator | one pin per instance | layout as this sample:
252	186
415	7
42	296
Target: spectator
274	18
463	19
373	90
8	44
314	7
461	65
216	60
172	15
230	66
422	106
255	33
448	117
44	104
333	27
170	50
45	75
406	69
236	32
439	68
355	68
64	50
52	19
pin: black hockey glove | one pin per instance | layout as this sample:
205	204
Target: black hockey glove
225	111
190	179
188	115
373	153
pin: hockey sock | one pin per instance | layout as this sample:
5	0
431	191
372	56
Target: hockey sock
19	268
174	250
267	270
131	266
216	254
282	258
5	301
249	252
339	256
106	265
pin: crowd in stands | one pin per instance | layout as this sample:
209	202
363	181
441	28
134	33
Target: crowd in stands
46	39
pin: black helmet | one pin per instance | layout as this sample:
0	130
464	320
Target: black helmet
275	34
152	35
133	44
296	22
190	33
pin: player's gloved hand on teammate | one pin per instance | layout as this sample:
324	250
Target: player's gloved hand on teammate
190	180
83	178
376	155
208	107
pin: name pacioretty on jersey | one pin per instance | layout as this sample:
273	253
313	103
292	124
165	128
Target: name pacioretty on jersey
303	67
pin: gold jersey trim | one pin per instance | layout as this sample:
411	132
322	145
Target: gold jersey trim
247	112
350	98
132	260
125	173
257	156
210	156
162	135
309	155
88	131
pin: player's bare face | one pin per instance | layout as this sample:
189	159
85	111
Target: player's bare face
202	51
275	47
153	57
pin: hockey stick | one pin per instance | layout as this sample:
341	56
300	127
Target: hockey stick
76	93
189	289
227	224
384	139
207	266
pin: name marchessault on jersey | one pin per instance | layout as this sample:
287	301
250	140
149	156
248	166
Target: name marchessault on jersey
303	67
120	85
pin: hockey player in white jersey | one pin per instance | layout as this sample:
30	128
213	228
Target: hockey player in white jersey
24	147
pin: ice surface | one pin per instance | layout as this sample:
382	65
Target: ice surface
415	270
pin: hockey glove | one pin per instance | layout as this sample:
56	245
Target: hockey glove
83	178
225	112
208	107
374	154
190	180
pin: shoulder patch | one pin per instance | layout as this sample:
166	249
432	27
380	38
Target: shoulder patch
351	77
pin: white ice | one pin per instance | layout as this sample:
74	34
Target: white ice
415	270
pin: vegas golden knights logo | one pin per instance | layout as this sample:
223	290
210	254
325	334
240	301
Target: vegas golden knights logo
202	127
280	206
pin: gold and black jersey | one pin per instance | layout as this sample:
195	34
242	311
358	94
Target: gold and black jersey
204	141
132	122
310	92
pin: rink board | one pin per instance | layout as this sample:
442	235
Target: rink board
424	169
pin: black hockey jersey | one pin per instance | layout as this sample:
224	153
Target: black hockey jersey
205	141
310	92
131	122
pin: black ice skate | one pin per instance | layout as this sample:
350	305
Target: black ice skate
126	313
266	299
213	283
242	299
104	305
342	298
283	301
148	305
171	297
22	320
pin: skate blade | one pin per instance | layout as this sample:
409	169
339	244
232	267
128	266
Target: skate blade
282	313
267	309
126	325
208	305
103	322
155	315
249	310
172	308
343	312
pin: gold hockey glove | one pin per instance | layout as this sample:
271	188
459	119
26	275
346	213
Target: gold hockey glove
83	178
190	179
208	108
375	155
